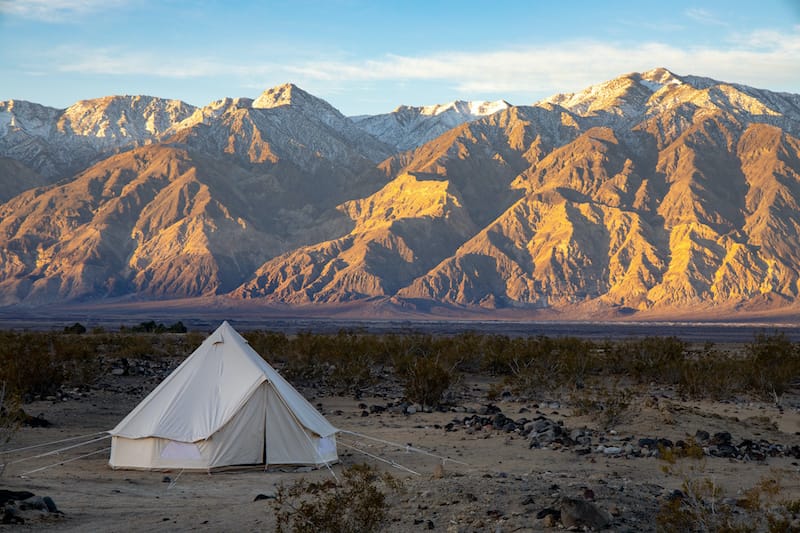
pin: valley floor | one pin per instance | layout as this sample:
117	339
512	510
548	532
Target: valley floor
503	485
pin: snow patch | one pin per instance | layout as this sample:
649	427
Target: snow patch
653	86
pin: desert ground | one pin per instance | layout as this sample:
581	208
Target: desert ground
496	480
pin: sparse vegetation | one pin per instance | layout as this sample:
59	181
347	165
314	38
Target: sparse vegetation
358	504
702	505
428	367
609	405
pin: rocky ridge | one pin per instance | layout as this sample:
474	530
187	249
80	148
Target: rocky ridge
408	126
649	191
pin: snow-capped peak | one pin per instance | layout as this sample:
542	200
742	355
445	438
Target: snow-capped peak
657	78
282	95
462	107
410	126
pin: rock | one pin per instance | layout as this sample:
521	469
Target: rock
612	450
701	435
576	513
550	521
664	443
528	500
117	371
650	444
549	511
34	502
410	410
268	496
723	450
166	479
12	496
723	437
51	505
438	471
10	515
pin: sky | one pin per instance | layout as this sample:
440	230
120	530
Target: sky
369	56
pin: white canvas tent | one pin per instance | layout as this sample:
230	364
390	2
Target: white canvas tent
223	406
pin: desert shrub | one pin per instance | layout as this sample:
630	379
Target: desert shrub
29	363
609	405
771	363
697	508
358	504
424	379
652	359
76	329
8	422
701	506
545	364
711	374
352	373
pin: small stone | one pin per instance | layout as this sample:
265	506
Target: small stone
268	496
575	513
438	471
166	479
723	437
410	410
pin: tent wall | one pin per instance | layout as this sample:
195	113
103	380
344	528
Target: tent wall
290	443
240	441
264	431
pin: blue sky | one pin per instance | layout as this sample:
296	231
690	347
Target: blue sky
371	56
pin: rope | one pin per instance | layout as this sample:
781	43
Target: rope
55	452
51	443
405	447
387	461
64	462
175	481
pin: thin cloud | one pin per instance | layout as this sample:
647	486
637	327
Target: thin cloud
760	58
56	10
704	16
763	59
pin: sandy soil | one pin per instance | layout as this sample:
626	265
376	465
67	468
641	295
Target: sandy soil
502	487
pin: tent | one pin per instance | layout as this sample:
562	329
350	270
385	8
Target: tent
223	406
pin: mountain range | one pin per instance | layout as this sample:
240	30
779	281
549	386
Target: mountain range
652	192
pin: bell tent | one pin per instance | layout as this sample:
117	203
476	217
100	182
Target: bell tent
223	406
